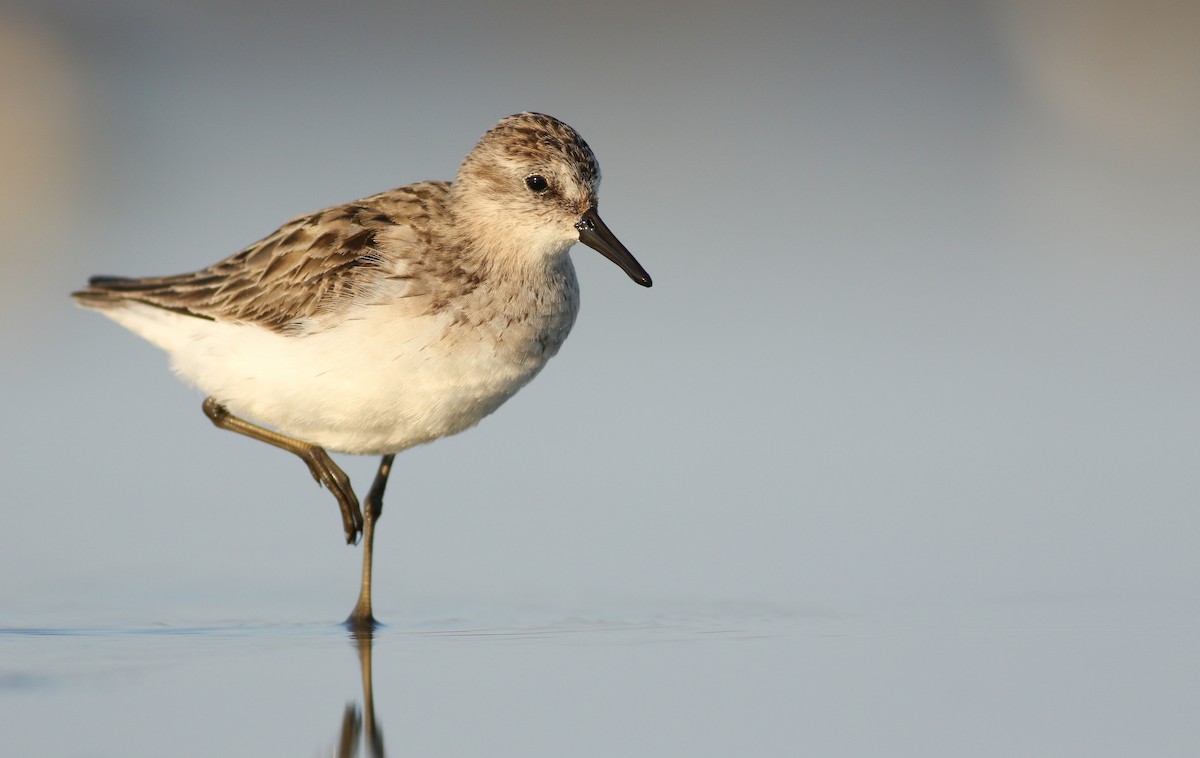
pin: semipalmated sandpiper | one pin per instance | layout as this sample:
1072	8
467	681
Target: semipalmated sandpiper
389	321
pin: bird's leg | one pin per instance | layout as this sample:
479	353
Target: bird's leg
323	469
361	617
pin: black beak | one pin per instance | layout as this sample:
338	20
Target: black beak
594	234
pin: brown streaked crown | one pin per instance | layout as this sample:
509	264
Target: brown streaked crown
543	138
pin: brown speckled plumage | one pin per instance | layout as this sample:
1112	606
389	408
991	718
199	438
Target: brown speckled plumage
317	263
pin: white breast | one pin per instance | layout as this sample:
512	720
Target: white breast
380	382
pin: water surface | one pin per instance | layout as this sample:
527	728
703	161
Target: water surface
1030	678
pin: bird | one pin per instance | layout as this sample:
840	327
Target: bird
391	321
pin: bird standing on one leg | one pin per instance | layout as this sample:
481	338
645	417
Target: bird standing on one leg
374	326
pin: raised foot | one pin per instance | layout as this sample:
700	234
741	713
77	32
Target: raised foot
326	472
322	467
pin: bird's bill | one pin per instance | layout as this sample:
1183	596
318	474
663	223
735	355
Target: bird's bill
594	234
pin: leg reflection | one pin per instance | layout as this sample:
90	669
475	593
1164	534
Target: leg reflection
356	725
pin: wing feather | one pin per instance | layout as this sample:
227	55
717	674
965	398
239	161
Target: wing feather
312	265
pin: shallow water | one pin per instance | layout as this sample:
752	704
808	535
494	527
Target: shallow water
1046	678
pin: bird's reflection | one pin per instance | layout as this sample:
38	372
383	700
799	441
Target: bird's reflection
361	725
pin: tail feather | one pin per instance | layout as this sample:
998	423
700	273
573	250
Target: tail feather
101	290
103	281
111	291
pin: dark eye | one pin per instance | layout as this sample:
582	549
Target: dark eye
537	183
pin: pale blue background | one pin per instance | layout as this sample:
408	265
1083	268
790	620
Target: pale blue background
898	456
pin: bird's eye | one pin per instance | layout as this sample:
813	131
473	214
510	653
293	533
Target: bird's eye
537	183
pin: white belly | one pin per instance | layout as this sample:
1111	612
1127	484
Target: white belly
368	386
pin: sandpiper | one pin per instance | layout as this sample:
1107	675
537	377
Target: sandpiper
373	326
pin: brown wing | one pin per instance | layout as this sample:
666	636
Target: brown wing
312	264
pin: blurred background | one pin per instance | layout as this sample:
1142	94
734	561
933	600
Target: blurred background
924	323
921	353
